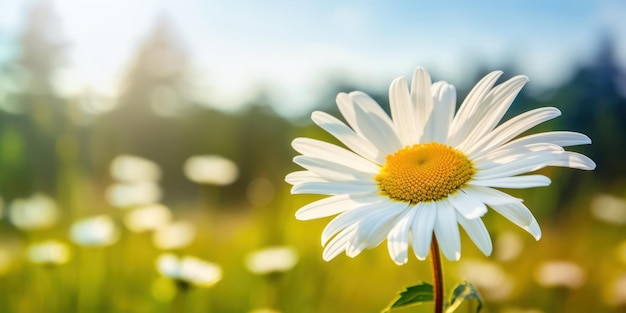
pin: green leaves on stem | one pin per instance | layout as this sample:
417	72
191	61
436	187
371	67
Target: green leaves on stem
423	292
462	292
413	295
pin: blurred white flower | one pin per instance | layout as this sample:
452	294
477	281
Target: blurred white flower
260	192
508	246
124	195
147	217
560	274
97	231
173	236
36	212
490	278
272	259
608	208
189	270
134	169
211	169
50	252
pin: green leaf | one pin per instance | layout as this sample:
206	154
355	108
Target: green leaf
413	295
462	292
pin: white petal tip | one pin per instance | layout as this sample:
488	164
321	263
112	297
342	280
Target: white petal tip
301	217
476	213
487	253
398	81
316	116
589	167
342	97
401	261
537	235
454	257
521	78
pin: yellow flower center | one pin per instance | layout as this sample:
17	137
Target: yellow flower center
424	172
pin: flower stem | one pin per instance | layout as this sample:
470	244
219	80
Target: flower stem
178	304
435	258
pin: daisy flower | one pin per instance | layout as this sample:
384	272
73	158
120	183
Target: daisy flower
426	169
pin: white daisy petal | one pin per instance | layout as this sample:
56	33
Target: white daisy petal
330	170
398	238
335	205
466	205
459	128
375	228
350	217
574	160
499	157
497	102
444	102
344	134
489	195
447	231
560	138
422	228
531	162
370	105
339	243
403	112
369	125
355	247
333	188
299	177
328	151
511	129
533	229
516	182
422	100
476	230
517	213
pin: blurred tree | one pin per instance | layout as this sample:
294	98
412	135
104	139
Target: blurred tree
33	116
152	95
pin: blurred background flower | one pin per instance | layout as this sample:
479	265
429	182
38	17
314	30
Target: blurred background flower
560	274
125	195
49	252
148	217
35	212
211	169
174	235
134	169
272	260
97	231
189	270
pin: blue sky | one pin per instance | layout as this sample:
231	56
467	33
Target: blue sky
292	47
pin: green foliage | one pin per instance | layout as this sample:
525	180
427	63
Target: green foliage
463	292
413	295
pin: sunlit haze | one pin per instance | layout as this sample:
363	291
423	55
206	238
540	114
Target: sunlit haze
289	50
